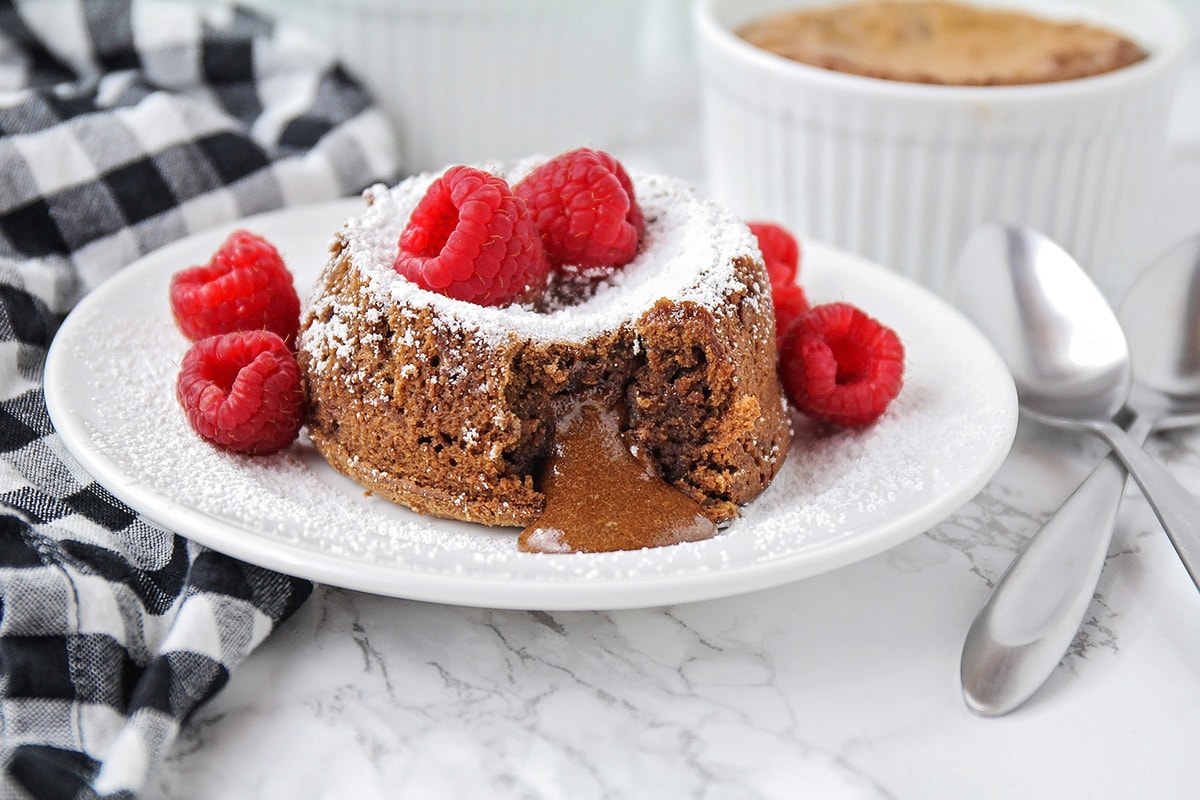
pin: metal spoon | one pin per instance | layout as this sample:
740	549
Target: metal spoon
1036	608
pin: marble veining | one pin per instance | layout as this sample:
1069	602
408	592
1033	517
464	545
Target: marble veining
840	686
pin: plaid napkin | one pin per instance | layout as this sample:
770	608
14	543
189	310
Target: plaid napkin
123	126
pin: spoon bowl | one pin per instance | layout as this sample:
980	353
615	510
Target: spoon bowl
1058	335
1161	318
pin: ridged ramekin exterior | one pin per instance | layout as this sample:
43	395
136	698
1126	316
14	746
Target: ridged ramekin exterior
902	173
466	81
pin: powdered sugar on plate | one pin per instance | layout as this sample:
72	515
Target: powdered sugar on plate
841	496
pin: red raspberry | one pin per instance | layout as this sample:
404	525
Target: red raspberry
790	303
472	239
585	210
840	365
780	250
242	391
245	286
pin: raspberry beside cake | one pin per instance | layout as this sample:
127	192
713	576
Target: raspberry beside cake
447	407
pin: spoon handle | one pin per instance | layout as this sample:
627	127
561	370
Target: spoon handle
1177	509
1035	609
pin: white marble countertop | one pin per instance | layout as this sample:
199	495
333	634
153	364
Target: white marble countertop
844	685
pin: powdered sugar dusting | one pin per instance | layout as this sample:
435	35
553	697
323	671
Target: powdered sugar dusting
841	495
687	254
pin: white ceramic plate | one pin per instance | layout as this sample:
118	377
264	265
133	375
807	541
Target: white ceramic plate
841	496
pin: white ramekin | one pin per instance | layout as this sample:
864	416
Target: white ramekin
465	81
902	173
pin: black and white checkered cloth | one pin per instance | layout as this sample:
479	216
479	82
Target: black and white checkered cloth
123	126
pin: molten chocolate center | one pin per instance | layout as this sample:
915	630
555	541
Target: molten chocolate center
599	497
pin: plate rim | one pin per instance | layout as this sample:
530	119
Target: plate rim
483	591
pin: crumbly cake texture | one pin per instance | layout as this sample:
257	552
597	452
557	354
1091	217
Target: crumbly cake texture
445	407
